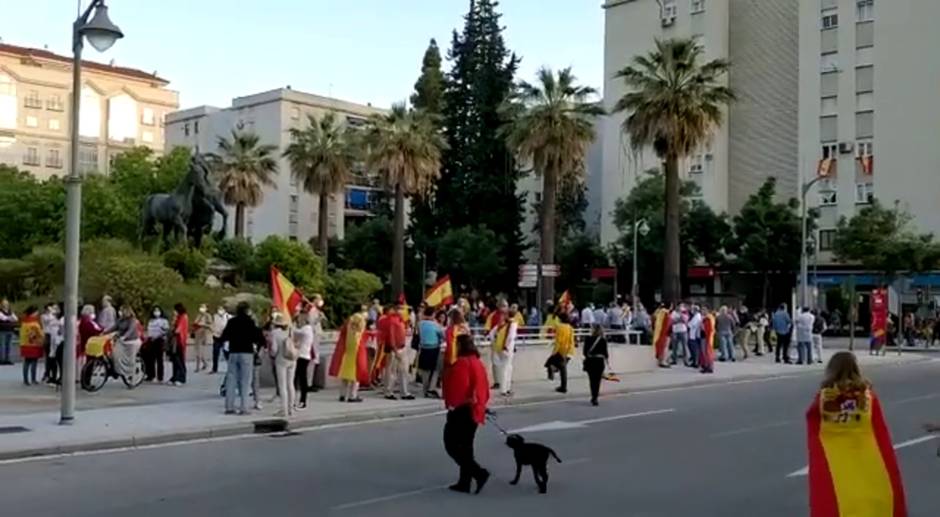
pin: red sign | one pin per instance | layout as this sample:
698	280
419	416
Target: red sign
879	316
701	272
603	272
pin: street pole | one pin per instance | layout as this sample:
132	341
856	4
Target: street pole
633	289
804	273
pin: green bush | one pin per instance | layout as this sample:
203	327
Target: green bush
188	262
14	275
346	290
129	280
294	259
236	252
47	268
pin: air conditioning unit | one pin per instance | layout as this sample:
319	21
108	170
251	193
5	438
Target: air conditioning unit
709	156
846	148
668	21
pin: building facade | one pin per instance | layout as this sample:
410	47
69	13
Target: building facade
286	210
759	137
121	108
868	82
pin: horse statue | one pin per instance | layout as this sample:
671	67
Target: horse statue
172	211
205	205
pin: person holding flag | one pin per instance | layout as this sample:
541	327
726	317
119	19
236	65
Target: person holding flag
441	293
503	338
853	471
349	362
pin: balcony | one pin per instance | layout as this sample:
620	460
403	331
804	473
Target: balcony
360	201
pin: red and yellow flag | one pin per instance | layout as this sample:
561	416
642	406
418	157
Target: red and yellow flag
440	293
825	167
708	340
853	471
564	300
868	164
660	332
286	297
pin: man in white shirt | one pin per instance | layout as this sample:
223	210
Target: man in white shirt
695	336
680	333
503	341
600	317
804	336
587	316
218	325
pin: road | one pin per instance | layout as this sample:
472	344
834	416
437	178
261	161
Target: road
725	450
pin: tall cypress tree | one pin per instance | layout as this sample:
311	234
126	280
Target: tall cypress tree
428	96
479	175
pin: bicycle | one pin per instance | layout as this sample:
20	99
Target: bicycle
99	366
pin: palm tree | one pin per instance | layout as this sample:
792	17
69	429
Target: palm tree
404	147
551	123
245	167
673	103
321	158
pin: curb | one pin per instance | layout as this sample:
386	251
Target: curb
247	427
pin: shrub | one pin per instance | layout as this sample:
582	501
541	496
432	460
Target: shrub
188	262
294	259
236	252
14	275
138	283
348	289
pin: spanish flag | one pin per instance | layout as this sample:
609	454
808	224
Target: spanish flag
868	164
825	167
440	293
853	471
708	341
450	339
564	300
493	320
286	297
661	332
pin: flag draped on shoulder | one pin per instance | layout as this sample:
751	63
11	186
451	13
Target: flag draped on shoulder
660	332
440	293
853	471
286	297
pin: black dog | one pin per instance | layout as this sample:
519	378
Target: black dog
533	454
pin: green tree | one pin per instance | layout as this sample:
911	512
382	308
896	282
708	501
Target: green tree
188	262
347	290
32	212
245	166
321	159
294	259
882	240
551	123
673	103
365	246
479	173
768	234
577	255
471	256
236	252
404	147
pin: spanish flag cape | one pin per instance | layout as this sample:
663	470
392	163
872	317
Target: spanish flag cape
450	339
493	320
339	354
660	332
852	468
502	332
708	340
31	338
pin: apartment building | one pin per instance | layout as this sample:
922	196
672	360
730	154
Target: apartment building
869	120
759	137
287	210
121	108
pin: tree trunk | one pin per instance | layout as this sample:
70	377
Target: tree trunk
672	289
239	221
398	253
323	227
549	191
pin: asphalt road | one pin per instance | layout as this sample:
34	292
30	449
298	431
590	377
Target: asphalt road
724	450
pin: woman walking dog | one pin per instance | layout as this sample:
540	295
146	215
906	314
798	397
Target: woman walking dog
466	395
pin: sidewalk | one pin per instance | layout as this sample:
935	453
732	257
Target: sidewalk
116	417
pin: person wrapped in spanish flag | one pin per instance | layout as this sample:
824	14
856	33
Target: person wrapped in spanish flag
350	361
707	353
853	471
661	327
457	327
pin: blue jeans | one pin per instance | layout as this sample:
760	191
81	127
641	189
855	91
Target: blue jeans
726	345
680	343
6	343
805	351
695	351
238	379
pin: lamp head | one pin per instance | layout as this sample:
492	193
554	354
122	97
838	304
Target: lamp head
100	31
644	228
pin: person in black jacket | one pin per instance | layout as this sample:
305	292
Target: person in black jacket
244	338
595	360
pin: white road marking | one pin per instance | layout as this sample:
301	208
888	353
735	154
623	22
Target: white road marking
745	430
400	495
914	441
916	399
560	425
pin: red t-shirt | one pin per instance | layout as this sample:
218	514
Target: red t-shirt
391	329
182	330
465	382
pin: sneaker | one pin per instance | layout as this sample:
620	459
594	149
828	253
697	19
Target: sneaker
391	397
301	406
561	390
229	411
482	479
258	406
357	399
408	397
342	398
178	384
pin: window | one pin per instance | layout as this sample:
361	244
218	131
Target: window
54	103
697	6
864	101
864	124
828	192
864	148
31	157
829	106
295	113
147	137
54	124
829	62
865	10
355	122
32	121
864	193
32	100
864	56
147	117
186	129
697	164
864	79
89	124
830	150
54	159
669	9
830	18
196	127
828	128
8	104
829	84
122	118
87	159
826	239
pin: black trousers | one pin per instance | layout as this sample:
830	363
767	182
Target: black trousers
216	352
51	373
559	363
178	361
153	359
594	367
783	347
300	378
459	432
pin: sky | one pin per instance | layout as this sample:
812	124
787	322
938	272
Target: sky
357	50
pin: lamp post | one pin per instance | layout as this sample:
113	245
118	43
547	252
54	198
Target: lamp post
101	34
804	273
639	227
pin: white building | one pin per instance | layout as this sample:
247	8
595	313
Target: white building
286	210
759	137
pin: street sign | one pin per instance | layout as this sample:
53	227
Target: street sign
550	270
528	282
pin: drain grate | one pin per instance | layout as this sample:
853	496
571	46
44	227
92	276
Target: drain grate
13	429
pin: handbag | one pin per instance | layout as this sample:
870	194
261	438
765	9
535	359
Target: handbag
290	352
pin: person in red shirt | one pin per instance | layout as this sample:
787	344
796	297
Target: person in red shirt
466	395
178	342
393	328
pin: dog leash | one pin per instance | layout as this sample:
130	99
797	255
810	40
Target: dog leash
492	418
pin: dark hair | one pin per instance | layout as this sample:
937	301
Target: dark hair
429	312
32	309
466	346
562	317
242	308
179	308
456	316
156	308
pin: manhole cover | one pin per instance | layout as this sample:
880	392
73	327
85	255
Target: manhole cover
13	429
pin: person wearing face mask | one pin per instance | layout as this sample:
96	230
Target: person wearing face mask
157	330
52	330
203	330
218	326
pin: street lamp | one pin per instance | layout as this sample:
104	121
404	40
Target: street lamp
639	228
804	273
101	34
